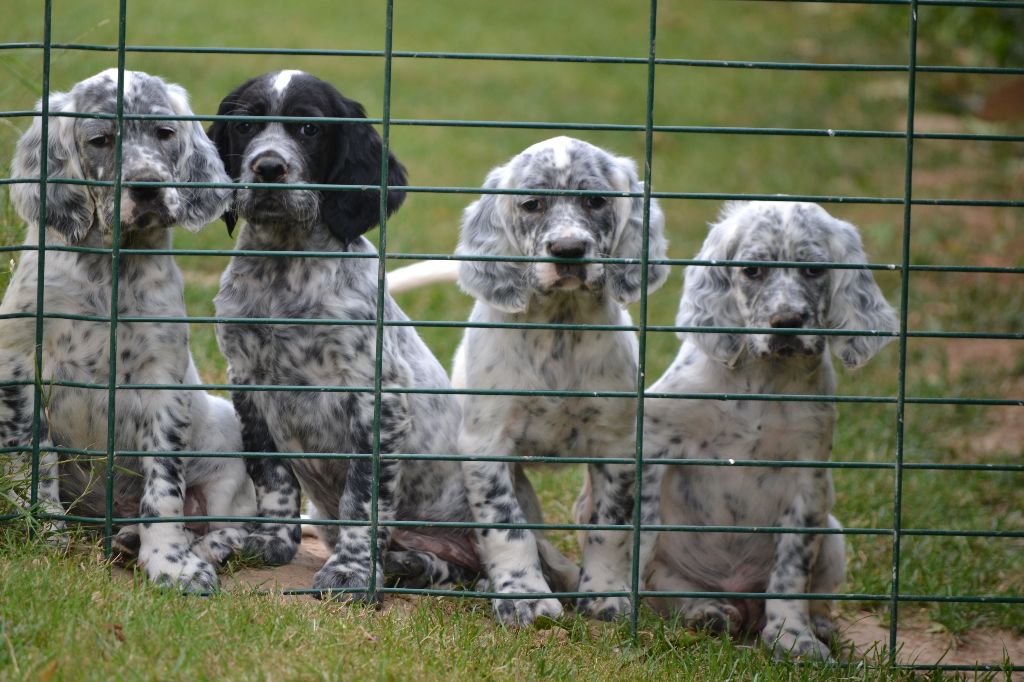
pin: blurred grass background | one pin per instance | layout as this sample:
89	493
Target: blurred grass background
608	93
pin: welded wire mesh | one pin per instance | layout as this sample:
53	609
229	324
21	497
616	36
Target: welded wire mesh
646	68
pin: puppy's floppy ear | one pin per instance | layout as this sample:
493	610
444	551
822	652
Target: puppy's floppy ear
219	134
624	281
485	233
856	301
350	213
707	295
70	210
198	162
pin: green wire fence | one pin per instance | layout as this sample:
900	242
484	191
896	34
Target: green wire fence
894	597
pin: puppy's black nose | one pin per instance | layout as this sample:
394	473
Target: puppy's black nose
269	168
144	193
567	247
787	320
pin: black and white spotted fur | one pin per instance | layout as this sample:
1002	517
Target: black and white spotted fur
759	363
570	227
157	421
340	355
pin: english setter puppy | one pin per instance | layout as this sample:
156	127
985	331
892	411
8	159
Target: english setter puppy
331	288
762	362
571	228
160	422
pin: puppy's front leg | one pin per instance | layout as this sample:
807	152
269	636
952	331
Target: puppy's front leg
164	550
788	630
349	565
606	553
510	554
277	488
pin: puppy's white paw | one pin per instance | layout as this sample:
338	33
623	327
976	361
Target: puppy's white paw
604	608
714	616
180	569
520	612
271	544
792	642
338	576
217	545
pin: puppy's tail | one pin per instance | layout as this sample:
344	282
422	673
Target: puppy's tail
421	274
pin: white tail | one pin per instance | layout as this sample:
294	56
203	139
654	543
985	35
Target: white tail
420	274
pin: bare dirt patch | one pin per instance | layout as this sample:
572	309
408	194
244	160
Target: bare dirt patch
296	575
999	357
917	643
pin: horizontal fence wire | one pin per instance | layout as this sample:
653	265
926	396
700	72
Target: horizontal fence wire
551	459
652	63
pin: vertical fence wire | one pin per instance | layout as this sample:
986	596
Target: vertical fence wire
37	389
901	387
115	267
382	255
641	373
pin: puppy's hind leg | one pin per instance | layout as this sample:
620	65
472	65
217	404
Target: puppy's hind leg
228	494
16	420
415	568
828	574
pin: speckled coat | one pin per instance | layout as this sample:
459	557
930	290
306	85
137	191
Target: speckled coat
555	359
759	363
76	350
336	289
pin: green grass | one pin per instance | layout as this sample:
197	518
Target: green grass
127	628
439	637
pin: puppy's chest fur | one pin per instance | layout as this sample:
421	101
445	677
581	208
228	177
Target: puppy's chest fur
736	495
330	355
557	359
298	355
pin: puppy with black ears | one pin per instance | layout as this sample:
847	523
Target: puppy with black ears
330	288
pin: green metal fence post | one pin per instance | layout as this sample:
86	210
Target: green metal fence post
382	250
641	375
37	392
115	266
908	191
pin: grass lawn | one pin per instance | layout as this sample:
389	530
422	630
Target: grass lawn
58	610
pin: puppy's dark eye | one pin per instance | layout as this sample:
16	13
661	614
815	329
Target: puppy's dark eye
165	133
812	273
100	141
243	127
534	205
310	130
595	203
752	272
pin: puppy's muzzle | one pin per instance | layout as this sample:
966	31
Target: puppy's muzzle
269	168
144	207
569	247
788	344
145	195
